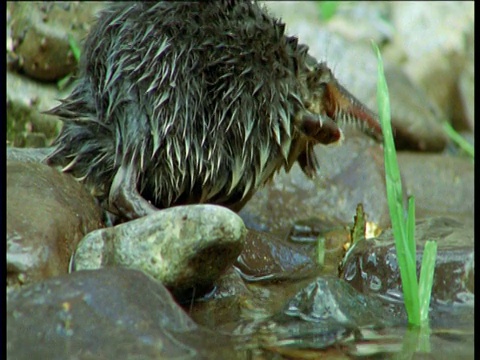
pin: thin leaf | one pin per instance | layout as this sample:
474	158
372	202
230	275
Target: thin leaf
411	227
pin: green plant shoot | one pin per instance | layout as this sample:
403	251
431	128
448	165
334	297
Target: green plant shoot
417	300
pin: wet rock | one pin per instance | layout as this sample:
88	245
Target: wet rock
266	257
26	99
40	33
349	174
328	318
442	185
106	314
228	285
309	230
183	246
352	174
371	265
47	215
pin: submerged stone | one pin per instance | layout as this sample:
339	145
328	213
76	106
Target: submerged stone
325	312
333	302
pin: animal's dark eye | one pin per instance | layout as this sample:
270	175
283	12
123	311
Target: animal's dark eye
322	85
323	74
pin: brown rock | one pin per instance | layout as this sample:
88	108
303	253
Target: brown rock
47	215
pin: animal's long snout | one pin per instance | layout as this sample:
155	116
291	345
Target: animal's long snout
343	107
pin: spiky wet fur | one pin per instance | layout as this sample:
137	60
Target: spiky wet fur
199	97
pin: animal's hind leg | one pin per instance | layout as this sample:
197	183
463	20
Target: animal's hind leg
124	197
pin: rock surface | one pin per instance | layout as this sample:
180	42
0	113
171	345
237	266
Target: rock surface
429	63
48	213
324	312
349	174
183	247
353	173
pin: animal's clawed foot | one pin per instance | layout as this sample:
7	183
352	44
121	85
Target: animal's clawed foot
124	198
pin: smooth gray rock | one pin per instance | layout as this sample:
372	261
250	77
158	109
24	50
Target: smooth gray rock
106	314
433	36
184	246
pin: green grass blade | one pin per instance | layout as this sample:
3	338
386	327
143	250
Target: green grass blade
412	248
426	279
406	261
